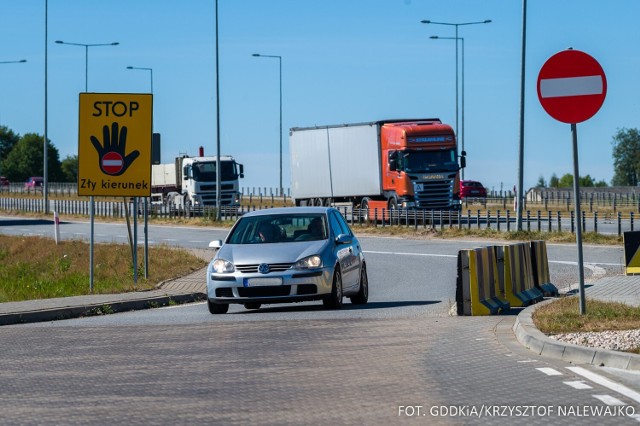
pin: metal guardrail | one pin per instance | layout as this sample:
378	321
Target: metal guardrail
499	220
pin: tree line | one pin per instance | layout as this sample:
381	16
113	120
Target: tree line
23	156
626	165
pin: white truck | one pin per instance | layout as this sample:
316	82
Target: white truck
191	181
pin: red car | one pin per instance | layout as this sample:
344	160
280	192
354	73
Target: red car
4	181
472	189
34	182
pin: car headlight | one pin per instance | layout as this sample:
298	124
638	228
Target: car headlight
222	266
309	262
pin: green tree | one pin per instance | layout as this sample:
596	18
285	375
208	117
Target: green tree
8	140
554	182
566	181
626	157
541	183
26	159
70	168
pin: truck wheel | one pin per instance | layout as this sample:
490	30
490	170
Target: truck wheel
392	205
364	209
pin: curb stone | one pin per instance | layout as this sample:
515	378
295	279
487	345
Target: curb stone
532	338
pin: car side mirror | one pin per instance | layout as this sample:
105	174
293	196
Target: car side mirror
463	162
344	239
216	244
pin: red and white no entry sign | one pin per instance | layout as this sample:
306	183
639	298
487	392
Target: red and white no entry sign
112	163
571	86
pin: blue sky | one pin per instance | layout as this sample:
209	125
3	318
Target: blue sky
344	61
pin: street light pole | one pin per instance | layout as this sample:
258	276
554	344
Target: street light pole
146	69
456	25
92	199
86	57
462	79
281	188
13	62
146	213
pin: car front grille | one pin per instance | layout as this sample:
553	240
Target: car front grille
273	267
267	291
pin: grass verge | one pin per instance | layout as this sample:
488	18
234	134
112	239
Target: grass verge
38	268
563	316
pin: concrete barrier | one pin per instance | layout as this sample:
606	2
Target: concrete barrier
515	273
542	279
479	281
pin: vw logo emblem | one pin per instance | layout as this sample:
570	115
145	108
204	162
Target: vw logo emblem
263	268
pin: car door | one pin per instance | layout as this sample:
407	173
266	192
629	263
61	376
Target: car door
349	254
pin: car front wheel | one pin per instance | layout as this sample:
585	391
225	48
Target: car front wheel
334	300
218	308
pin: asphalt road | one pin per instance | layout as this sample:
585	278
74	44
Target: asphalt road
399	359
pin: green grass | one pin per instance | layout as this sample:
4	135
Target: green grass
563	316
38	268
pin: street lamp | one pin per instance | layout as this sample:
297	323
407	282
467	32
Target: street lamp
462	84
13	62
426	21
86	57
92	199
146	69
280	66
146	216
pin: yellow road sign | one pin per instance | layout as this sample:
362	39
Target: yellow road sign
114	144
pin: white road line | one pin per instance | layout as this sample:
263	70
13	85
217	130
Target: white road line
609	400
578	384
411	254
550	371
527	361
603	381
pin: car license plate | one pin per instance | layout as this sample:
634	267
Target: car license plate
259	282
475	192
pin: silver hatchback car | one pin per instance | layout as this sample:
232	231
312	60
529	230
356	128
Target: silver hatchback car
289	254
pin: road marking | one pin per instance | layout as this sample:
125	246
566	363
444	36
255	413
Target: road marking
550	371
596	270
578	384
410	254
603	381
528	360
609	400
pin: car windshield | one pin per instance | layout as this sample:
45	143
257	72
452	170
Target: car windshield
280	228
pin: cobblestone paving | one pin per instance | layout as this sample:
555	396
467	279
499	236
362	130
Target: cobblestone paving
277	372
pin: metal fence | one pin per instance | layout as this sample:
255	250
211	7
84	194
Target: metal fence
499	220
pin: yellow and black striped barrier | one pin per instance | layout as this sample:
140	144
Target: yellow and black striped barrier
478	285
631	252
541	277
516	275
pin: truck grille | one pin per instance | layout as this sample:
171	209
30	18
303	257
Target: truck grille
436	193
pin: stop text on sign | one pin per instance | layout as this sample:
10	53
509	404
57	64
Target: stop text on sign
117	109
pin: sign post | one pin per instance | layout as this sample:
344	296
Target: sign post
114	150
572	87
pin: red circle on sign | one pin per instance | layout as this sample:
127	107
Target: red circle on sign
571	86
112	163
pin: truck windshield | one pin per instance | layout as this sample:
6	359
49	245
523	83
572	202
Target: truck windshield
206	171
429	161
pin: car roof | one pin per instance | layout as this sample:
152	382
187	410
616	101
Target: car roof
288	210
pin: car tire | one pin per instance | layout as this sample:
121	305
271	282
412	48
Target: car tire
334	300
252	305
217	308
362	296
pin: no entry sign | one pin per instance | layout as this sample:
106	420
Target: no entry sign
571	86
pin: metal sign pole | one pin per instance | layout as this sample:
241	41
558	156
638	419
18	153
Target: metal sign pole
92	216
576	196
135	241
